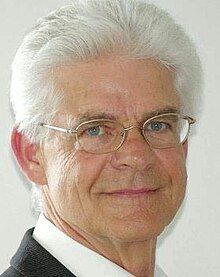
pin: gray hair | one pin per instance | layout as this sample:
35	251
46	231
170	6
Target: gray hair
86	30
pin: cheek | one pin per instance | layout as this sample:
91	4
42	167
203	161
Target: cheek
72	175
72	179
62	177
89	169
174	163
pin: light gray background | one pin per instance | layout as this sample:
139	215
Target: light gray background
192	243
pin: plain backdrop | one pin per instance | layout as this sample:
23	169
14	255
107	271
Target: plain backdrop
191	245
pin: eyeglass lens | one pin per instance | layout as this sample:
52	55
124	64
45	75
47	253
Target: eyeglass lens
106	136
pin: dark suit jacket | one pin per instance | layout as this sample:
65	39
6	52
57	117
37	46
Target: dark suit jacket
32	259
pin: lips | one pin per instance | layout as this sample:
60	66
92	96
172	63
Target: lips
130	192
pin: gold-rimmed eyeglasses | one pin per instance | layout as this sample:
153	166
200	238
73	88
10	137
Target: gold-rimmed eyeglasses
100	136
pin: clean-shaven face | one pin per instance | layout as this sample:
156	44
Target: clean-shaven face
86	190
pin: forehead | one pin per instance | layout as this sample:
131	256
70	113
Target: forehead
123	88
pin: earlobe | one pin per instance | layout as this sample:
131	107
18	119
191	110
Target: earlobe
25	153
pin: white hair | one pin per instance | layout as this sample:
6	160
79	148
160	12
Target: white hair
86	30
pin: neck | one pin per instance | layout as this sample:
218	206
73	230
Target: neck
137	257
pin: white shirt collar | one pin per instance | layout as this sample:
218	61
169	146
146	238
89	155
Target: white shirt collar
78	259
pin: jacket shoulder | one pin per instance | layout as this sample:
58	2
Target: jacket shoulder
11	272
32	260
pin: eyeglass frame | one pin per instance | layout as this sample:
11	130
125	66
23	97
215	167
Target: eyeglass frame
74	131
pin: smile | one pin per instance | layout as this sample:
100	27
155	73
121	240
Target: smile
132	192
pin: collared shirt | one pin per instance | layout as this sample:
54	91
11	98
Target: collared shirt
78	259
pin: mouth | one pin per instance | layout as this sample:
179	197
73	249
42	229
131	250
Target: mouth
133	192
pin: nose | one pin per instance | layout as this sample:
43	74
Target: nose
134	153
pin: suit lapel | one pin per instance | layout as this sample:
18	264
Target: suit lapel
32	259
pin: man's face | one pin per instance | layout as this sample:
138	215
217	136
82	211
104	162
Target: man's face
80	184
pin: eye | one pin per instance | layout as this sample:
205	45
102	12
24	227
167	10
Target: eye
95	131
156	126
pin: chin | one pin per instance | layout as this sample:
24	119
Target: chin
134	231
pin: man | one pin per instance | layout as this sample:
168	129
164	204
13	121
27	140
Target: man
104	94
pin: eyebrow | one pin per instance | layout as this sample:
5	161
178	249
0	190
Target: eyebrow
92	114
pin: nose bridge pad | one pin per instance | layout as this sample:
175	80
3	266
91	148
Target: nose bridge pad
124	134
132	127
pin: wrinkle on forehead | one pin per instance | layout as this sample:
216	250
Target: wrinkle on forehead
71	122
125	88
85	75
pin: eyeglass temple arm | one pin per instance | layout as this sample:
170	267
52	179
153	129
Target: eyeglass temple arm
67	131
191	120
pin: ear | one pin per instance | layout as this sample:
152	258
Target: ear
185	148
26	155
